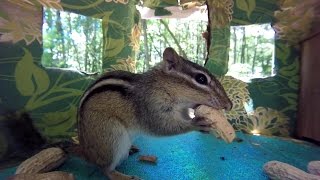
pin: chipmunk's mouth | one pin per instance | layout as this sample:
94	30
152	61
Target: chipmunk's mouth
196	106
192	109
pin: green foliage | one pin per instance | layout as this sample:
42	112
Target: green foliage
251	51
72	41
184	35
61	49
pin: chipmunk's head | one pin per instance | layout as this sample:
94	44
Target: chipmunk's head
197	86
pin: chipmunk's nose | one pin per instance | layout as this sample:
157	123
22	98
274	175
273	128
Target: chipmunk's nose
228	105
223	104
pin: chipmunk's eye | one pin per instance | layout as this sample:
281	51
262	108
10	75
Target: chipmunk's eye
201	79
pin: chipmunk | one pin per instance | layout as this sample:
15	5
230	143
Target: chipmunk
120	105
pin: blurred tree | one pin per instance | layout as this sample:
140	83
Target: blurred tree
75	41
182	34
251	51
72	41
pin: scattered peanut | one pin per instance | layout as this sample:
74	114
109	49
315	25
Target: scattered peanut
314	167
54	175
45	161
280	170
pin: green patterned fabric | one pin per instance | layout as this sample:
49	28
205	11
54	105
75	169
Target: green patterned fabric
219	51
273	99
118	20
154	4
52	95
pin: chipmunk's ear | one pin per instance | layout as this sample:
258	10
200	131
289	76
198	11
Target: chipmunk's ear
171	58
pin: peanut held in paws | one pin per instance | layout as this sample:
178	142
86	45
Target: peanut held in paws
221	127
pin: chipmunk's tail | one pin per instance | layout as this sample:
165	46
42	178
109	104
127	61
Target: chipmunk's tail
19	140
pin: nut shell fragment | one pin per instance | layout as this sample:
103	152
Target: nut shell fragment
151	159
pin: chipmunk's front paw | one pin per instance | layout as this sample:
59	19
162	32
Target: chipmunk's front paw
133	149
202	124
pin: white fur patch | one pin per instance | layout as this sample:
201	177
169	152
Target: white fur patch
123	147
122	150
191	113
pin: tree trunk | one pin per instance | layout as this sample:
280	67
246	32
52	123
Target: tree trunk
145	45
93	47
61	34
86	31
154	47
68	38
160	44
165	39
255	54
243	45
50	22
205	49
198	44
234	46
173	37
73	47
247	60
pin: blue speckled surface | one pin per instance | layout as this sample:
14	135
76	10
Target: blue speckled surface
202	156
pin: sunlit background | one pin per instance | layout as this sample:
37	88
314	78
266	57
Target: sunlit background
75	41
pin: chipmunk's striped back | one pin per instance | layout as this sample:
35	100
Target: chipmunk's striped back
119	81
